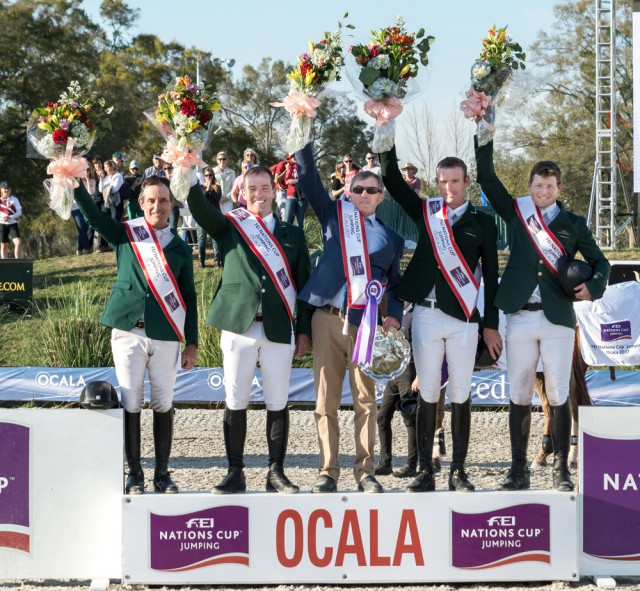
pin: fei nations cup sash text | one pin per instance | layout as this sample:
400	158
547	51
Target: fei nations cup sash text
454	268
157	272
546	244
268	250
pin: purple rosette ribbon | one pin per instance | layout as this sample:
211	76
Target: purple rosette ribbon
362	352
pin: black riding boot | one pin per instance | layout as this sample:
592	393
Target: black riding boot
277	438
561	435
234	429
135	478
203	255
460	431
518	477
163	438
425	428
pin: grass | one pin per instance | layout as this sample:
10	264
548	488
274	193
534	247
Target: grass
72	287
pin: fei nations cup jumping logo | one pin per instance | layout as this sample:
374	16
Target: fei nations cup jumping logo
14	487
218	535
520	533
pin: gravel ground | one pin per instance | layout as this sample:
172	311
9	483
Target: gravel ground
198	462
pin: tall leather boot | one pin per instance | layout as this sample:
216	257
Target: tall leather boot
561	435
202	255
135	478
234	429
460	431
277	439
518	477
425	428
163	438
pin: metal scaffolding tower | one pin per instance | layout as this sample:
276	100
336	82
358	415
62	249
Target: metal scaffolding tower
605	173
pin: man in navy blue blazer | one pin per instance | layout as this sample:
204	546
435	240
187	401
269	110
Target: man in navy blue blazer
334	336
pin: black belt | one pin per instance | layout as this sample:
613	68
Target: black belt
139	324
428	304
533	307
333	311
258	318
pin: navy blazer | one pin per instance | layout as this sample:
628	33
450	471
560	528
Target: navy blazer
328	277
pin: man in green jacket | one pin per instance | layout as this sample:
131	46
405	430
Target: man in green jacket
441	281
540	318
152	308
265	262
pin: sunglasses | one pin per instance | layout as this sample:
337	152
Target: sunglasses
208	175
221	158
370	158
347	161
370	190
134	168
167	168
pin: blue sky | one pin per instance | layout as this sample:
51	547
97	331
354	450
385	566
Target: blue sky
250	30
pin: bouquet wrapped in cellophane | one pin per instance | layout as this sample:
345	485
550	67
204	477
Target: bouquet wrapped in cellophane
183	116
315	70
490	77
387	64
64	131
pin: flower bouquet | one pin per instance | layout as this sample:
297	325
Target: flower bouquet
184	118
64	131
387	63
315	70
490	75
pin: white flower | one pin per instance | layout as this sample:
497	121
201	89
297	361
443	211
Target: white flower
320	56
382	87
480	70
380	62
79	133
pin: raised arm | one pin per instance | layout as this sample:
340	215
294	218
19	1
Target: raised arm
211	219
402	193
104	224
496	193
311	184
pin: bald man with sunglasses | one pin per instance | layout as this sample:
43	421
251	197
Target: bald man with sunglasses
331	291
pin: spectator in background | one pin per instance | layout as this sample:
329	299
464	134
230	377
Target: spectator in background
296	204
409	172
109	185
118	159
84	243
10	211
350	170
251	156
134	181
98	168
337	181
155	169
372	164
225	177
213	195
278	171
237	193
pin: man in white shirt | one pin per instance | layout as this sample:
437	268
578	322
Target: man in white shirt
225	177
372	164
10	211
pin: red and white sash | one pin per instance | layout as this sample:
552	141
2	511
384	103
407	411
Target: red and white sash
268	250
157	272
7	208
355	254
546	244
454	268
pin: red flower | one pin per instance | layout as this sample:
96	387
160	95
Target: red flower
304	68
50	104
60	136
88	125
189	107
82	117
205	117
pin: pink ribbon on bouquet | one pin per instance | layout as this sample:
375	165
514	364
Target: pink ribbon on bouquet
181	157
476	106
299	104
65	170
383	112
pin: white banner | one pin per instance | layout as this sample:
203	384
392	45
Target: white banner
610	326
349	538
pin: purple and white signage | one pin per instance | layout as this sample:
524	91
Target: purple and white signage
520	533
14	487
218	535
611	498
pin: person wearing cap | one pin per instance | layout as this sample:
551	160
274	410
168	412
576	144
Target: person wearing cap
149	314
409	172
540	317
118	158
10	211
134	181
442	280
156	169
340	279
